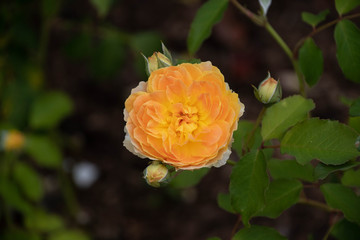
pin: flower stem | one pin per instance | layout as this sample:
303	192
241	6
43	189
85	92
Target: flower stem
261	21
290	54
236	226
320	29
231	162
317	204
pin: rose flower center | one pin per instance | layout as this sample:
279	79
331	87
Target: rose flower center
184	121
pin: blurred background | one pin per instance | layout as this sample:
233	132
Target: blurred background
66	68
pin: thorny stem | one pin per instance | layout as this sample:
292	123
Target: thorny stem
317	204
261	21
320	29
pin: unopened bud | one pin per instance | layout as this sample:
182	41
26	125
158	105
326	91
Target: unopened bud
156	173
269	91
158	60
12	140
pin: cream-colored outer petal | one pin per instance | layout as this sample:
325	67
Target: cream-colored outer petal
128	144
140	88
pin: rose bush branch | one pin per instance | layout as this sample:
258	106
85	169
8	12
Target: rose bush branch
262	21
321	28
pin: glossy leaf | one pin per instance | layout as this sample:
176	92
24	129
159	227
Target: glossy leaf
102	6
345	6
187	179
209	14
321	170
28	180
258	233
68	234
290	169
283	115
224	202
311	61
49	109
328	141
351	178
241	136
282	194
41	221
43	151
314	19
342	198
345	230
248	182
265	4
354	110
347	37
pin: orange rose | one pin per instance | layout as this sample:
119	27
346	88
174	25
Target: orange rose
184	116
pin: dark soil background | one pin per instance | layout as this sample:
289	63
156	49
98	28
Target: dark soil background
120	205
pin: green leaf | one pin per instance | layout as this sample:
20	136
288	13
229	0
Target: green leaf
49	109
29	181
311	61
44	151
347	37
265	4
314	19
354	122
188	178
224	202
282	194
209	14
41	221
351	178
290	169
241	135
330	142
12	197
258	233
283	115
345	230
354	110
342	198
248	182
102	6
68	234
345	6
321	170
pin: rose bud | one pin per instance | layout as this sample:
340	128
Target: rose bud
156	173
269	91
12	140
158	60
